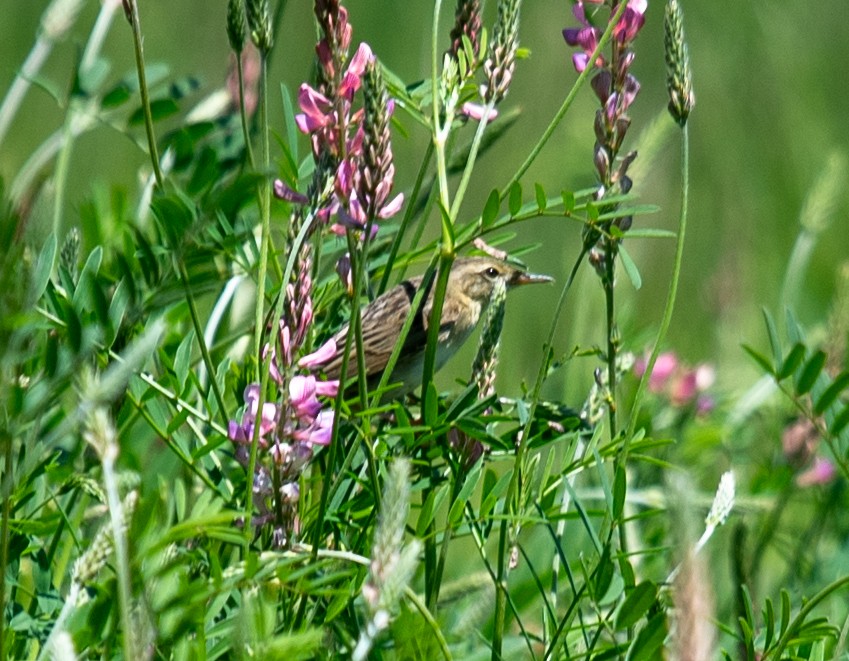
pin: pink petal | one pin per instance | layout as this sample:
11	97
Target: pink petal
319	357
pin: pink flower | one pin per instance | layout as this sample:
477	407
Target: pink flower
476	111
664	367
318	110
302	397
319	357
821	472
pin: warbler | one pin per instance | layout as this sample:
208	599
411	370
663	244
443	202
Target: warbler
467	296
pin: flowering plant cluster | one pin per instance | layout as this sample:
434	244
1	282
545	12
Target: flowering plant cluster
353	182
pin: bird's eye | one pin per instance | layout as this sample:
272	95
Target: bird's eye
491	272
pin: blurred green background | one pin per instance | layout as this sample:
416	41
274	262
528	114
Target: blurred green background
772	109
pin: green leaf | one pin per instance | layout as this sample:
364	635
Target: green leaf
810	372
459	504
650	233
433	502
769	623
447	225
159	110
636	604
619	490
490	209
840	421
760	359
630	268
540	195
183	359
431	412
568	201
791	363
603	575
649	640
514	202
831	393
785	611
489	501
44	267
772	333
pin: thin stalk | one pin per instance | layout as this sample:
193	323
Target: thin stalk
122	569
610	253
673	288
243	113
145	96
360	266
460	193
511	497
264	194
4	530
204	350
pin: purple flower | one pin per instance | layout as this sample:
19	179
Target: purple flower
243	433
283	192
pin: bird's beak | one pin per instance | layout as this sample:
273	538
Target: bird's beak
529	279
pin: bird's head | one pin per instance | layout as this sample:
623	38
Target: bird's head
476	277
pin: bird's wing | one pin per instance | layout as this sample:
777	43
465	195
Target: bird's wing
382	320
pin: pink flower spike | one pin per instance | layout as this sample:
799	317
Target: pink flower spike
283	192
476	111
319	357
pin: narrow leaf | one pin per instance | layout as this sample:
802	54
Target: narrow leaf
636	604
540	195
831	393
810	372
490	209
44	267
630	268
791	363
514	203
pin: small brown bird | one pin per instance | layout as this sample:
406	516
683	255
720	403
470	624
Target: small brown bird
470	287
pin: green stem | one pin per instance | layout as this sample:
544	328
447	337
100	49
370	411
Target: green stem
145	97
511	498
264	194
243	113
610	252
204	350
673	288
118	519
460	193
6	439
